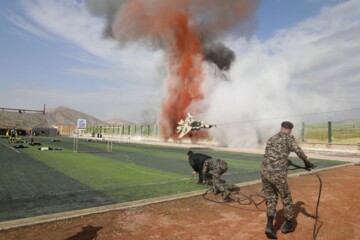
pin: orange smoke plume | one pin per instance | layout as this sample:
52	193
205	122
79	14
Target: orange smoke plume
184	85
169	22
187	30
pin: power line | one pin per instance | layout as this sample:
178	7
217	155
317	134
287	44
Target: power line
290	116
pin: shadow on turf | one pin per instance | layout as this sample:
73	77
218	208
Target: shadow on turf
88	232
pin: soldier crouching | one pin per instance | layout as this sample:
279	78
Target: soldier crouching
203	164
218	167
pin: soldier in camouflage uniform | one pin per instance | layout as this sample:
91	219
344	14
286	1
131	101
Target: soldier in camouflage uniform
274	173
218	167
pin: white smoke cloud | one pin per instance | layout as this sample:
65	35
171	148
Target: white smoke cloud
312	67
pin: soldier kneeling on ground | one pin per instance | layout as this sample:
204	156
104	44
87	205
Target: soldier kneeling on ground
203	164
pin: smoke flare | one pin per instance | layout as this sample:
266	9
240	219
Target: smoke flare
188	31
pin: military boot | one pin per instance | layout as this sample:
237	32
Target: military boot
226	195
288	227
269	230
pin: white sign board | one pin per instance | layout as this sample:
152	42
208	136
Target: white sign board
81	124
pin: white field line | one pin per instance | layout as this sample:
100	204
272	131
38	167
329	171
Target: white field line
10	147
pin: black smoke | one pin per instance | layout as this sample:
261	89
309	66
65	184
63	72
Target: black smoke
220	55
107	10
209	19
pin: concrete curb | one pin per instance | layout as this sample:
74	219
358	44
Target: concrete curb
134	204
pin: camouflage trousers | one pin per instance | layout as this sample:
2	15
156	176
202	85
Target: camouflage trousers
219	167
273	187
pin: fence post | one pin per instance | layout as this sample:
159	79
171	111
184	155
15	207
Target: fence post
329	132
303	132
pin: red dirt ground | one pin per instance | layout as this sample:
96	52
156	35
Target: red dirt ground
199	218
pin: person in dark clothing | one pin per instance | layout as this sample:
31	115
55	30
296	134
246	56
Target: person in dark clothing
210	168
34	143
19	146
196	161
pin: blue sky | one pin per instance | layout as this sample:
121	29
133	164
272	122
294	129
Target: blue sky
51	52
280	14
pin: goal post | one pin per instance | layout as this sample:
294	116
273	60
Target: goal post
77	134
91	144
97	145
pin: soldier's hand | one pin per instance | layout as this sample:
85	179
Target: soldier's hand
309	166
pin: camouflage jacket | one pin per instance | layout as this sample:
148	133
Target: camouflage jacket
212	163
277	150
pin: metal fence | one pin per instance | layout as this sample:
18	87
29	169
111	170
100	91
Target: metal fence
148	130
337	133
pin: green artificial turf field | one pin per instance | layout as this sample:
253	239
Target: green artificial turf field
34	182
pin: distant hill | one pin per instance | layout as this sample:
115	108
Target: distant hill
53	117
65	115
117	121
350	121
